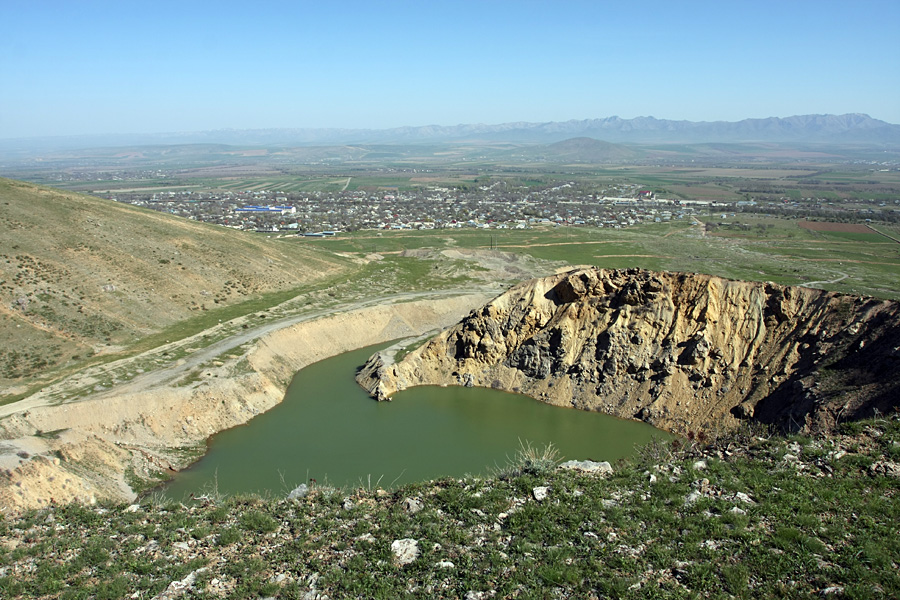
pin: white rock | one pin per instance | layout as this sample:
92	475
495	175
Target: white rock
445	564
588	466
405	550
700	465
741	496
299	492
540	493
412	505
179	588
692	498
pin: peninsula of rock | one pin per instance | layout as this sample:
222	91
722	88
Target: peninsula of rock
684	352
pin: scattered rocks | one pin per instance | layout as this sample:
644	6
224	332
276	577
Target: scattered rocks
887	468
177	589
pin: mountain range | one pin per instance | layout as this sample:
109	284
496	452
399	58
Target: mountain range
851	128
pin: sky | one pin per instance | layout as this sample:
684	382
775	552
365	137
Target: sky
83	67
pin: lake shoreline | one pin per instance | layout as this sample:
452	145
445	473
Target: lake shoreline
107	446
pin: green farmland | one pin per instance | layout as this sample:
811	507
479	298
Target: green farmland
781	251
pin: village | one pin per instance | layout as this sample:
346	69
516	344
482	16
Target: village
495	206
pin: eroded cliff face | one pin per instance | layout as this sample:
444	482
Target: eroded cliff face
684	352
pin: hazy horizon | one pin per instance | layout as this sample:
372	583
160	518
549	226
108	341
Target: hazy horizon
163	134
104	68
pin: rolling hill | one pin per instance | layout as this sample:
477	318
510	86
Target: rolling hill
579	150
81	276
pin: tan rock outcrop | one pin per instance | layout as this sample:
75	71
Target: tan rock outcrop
684	352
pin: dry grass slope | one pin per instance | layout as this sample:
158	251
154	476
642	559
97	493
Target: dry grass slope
81	276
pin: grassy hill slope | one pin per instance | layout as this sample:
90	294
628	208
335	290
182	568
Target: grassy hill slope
81	276
748	516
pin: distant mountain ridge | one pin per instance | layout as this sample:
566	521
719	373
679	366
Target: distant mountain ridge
854	128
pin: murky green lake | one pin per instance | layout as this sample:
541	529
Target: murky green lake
328	429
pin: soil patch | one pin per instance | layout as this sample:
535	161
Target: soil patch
837	227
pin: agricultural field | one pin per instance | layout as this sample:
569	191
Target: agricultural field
725	172
761	249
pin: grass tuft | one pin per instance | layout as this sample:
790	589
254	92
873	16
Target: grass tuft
529	460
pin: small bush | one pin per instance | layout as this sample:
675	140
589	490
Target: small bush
258	521
228	536
529	460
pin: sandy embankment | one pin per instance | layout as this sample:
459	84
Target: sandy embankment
93	448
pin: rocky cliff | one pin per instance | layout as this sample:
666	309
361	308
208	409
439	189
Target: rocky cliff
684	352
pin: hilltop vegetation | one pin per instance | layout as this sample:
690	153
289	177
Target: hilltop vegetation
81	276
748	516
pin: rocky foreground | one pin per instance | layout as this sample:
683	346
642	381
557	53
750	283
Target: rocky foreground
684	352
749	515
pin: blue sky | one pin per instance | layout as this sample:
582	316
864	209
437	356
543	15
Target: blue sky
82	67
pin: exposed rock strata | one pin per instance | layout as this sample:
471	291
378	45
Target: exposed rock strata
684	352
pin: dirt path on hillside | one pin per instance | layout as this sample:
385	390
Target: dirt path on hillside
171	374
176	372
842	277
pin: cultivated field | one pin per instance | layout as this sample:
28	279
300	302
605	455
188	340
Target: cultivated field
834	227
768	249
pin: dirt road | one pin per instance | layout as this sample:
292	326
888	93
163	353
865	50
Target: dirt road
171	374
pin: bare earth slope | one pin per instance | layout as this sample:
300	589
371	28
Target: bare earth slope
82	276
684	352
101	446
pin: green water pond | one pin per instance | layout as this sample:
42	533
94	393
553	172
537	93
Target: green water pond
328	429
